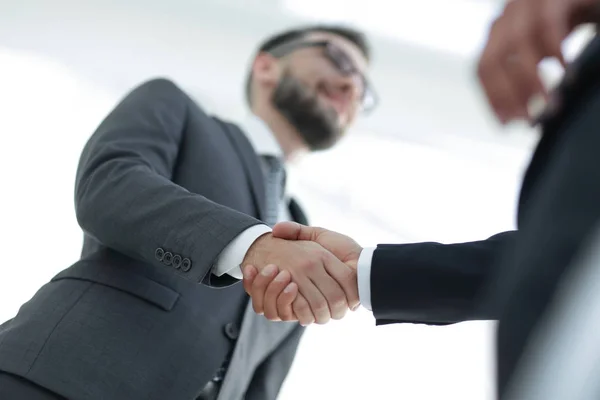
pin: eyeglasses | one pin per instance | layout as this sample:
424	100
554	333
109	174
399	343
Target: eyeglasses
341	61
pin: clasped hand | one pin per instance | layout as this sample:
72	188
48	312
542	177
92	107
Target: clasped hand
301	273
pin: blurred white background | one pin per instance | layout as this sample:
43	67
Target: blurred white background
429	165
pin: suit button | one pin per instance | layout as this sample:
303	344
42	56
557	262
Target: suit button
186	265
168	258
159	254
231	331
176	261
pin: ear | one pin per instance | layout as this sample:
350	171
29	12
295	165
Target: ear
266	69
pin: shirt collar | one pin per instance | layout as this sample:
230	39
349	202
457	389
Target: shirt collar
261	137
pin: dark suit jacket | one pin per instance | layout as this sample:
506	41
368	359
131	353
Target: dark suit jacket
161	189
442	283
434	283
512	276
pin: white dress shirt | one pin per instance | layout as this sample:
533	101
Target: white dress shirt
230	260
363	271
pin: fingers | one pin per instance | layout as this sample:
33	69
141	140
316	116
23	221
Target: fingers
498	89
274	291
308	264
501	67
346	278
314	291
526	78
333	293
278	300
553	29
285	302
303	311
336	281
527	32
250	273
259	286
274	295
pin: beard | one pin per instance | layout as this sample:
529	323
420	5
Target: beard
316	123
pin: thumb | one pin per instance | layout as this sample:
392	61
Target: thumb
292	231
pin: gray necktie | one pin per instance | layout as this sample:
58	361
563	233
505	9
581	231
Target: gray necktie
274	172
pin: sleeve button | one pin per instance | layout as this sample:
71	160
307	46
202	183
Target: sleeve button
186	264
177	261
159	254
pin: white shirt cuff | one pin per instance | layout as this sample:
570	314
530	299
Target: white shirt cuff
364	276
230	260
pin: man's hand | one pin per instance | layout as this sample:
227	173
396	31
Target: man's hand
274	294
527	32
343	247
327	285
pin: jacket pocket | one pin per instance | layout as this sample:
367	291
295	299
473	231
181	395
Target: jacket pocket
120	279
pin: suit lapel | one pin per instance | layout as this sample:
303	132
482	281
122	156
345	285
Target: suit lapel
251	162
254	173
297	213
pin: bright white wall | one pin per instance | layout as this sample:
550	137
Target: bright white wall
430	165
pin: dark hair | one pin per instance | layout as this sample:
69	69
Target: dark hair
354	36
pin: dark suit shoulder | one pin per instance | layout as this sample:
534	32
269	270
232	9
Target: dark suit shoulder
163	85
161	92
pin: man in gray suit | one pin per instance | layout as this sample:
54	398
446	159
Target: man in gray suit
171	202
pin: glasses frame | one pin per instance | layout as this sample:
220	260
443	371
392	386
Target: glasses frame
340	60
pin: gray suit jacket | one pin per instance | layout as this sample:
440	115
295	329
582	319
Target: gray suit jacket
161	189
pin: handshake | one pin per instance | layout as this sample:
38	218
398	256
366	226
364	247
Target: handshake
301	273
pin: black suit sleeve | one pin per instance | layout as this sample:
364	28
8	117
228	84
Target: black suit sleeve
433	283
124	196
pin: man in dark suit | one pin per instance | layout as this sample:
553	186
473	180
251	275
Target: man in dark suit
512	276
171	201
